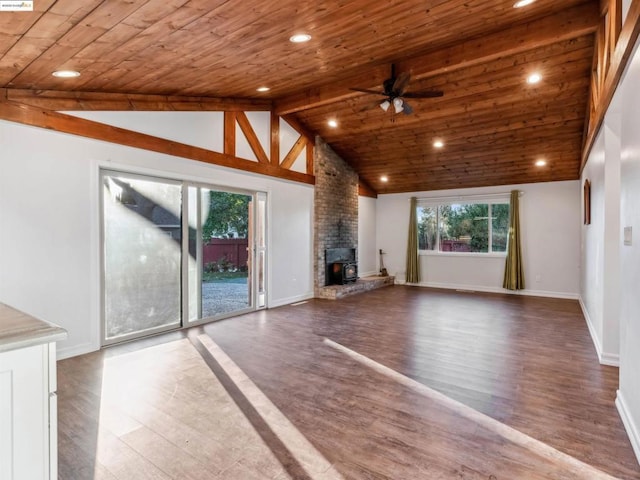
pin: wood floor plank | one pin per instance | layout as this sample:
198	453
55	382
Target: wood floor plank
159	409
172	460
528	362
524	362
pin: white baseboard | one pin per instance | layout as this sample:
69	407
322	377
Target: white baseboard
544	293
75	350
604	358
629	424
480	288
290	300
610	359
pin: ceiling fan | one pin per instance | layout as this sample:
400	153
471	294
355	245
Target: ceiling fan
394	89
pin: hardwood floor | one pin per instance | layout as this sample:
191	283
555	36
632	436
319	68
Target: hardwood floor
398	383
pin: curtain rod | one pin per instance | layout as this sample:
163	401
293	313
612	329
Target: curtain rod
476	196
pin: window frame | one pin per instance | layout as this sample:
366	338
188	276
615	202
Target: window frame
488	200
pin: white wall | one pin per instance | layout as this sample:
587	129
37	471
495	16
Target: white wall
628	400
550	222
49	245
592	245
610	294
367	253
600	283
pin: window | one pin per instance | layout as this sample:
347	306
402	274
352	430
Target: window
459	226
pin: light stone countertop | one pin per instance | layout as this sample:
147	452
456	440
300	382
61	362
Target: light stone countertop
19	330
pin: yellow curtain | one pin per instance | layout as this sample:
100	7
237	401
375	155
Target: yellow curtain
413	267
513	270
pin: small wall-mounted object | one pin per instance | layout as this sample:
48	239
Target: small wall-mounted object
627	236
586	191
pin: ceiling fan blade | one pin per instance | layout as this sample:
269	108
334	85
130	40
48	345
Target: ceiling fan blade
407	109
424	94
401	83
364	90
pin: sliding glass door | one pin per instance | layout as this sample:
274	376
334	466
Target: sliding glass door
178	254
142	237
220	242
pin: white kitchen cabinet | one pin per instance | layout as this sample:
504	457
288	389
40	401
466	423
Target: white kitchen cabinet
28	402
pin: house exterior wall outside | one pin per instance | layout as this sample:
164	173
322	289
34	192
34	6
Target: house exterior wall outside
550	219
49	188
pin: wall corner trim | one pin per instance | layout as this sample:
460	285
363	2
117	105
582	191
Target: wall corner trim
610	359
628	421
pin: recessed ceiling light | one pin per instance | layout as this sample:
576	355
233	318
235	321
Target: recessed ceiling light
523	3
534	78
66	74
332	123
541	163
262	89
384	179
300	38
438	144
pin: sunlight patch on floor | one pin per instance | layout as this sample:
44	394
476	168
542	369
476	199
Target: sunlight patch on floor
567	462
311	460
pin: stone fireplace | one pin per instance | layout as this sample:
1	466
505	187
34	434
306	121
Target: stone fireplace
335	210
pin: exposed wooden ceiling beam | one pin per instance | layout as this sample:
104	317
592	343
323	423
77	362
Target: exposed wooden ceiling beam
60	122
60	100
622	53
568	24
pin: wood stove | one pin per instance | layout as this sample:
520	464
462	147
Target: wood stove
341	266
344	272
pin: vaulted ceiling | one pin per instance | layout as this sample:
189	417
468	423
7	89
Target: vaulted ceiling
494	124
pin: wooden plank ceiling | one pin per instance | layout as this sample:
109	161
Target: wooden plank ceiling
478	52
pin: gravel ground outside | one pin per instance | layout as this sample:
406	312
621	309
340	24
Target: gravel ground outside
224	297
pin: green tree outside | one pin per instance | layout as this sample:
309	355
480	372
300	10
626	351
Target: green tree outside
465	224
228	216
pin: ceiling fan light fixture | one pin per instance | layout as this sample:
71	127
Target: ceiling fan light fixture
397	104
385	105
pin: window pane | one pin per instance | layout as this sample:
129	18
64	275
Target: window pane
427	228
464	228
499	226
